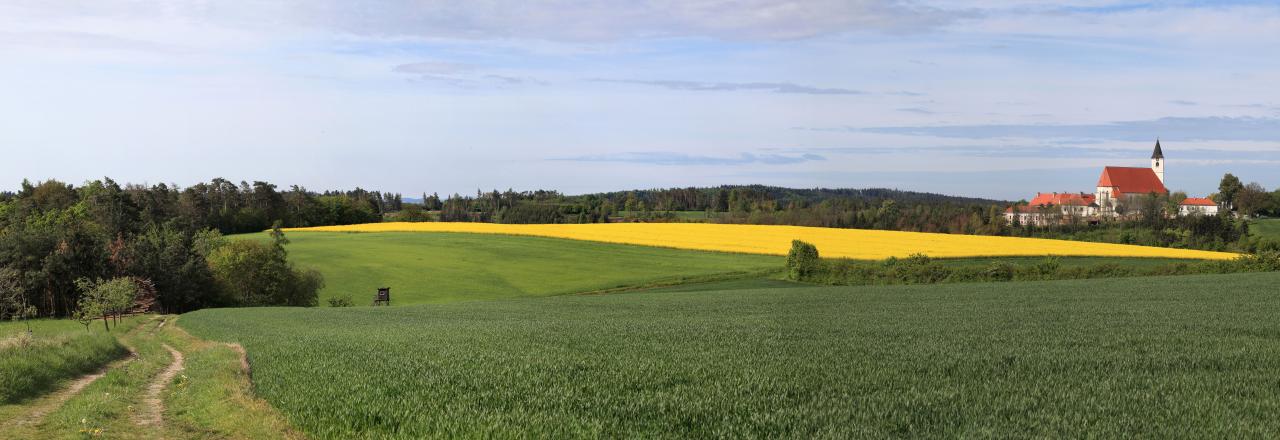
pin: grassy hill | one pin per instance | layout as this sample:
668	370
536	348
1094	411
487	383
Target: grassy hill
445	267
1269	228
1175	357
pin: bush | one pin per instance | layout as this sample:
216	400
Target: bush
250	273
916	269
802	260
1267	261
341	301
1000	271
1046	269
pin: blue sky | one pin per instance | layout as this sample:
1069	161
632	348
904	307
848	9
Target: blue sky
999	98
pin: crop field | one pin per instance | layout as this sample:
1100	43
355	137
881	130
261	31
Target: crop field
444	267
1174	357
776	240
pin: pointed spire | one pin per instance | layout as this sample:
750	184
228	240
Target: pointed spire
1157	154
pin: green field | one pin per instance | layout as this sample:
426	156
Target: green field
1269	228
446	267
1175	357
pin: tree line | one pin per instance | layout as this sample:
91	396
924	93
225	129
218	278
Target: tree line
60	243
840	208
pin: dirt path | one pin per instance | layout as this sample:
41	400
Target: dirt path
48	404
153	403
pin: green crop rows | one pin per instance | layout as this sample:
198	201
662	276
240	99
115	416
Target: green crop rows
1190	357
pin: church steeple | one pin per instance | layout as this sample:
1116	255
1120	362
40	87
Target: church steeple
1157	162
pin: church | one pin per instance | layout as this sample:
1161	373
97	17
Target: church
1117	194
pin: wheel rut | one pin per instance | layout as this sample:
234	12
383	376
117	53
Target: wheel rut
153	404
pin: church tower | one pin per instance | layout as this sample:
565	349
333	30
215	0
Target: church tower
1157	162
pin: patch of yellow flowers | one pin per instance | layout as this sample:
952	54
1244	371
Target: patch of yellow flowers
776	240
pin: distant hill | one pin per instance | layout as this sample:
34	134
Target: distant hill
871	208
807	195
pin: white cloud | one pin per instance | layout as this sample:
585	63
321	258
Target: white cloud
136	87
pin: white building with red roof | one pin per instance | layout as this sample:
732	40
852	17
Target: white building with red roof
1121	185
1197	206
1119	190
1046	207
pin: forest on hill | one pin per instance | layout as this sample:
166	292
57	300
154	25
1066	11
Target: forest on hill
875	208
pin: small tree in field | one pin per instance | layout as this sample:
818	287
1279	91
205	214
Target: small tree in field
803	260
106	298
120	295
87	310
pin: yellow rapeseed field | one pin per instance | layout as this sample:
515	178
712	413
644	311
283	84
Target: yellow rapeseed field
776	240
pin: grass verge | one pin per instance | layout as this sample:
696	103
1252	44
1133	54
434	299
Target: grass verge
58	350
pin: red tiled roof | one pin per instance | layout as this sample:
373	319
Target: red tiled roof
1062	199
1198	201
1128	180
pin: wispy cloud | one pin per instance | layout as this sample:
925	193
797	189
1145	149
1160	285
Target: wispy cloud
1046	151
1255	106
1184	102
435	68
704	86
1179	128
669	158
917	110
461	74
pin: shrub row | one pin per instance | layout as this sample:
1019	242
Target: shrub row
920	269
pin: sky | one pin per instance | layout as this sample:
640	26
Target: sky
998	99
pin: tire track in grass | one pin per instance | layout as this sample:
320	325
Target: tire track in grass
51	403
153	404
